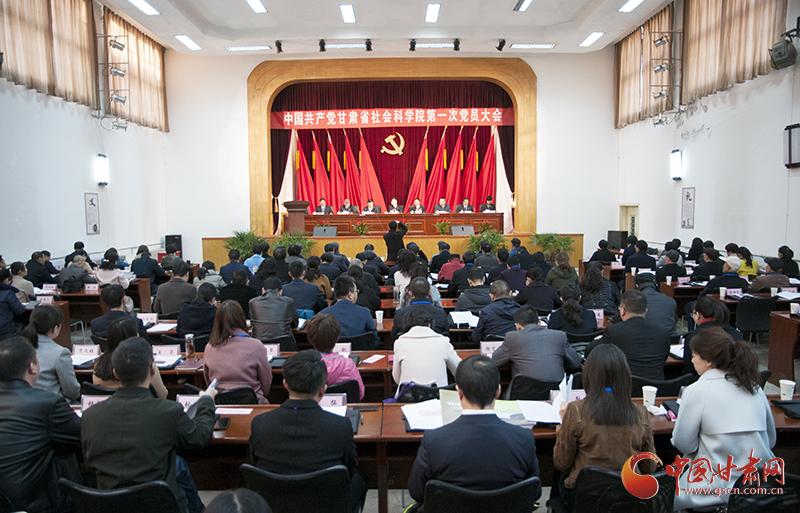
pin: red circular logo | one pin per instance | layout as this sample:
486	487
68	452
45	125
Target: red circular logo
643	487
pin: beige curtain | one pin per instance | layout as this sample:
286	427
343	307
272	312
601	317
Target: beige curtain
628	63
49	47
653	29
146	95
726	42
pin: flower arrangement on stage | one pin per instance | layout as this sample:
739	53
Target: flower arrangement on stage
323	223
443	226
361	228
484	226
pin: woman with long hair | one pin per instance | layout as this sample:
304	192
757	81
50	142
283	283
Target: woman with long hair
604	429
56	373
110	274
598	292
405	261
572	318
749	267
420	270
313	275
696	250
103	374
786	255
723	414
207	273
707	313
537	293
562	273
233	358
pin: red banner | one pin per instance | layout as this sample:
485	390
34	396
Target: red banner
360	118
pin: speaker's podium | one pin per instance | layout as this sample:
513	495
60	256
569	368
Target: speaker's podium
295	220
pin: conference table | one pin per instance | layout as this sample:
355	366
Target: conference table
89	305
64	337
784	332
417	224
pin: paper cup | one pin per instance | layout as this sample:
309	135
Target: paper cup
379	316
722	292
649	395
712	277
795	308
773	291
787	389
633	271
669	280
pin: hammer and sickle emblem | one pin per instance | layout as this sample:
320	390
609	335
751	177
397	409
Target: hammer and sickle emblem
398	149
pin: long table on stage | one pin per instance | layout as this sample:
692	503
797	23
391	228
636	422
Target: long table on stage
418	224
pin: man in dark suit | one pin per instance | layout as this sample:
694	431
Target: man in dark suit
79	250
711	266
514	275
226	271
114	298
327	268
477	295
347	208
374	260
477	451
630	249
146	267
300	437
323	208
603	254
416	208
460	281
353	319
536	351
420	300
671	268
281	266
645	343
394	240
339	260
640	260
442	207
239	291
37	272
489	206
306	296
539	261
394	208
441	258
661	309
273	315
465	207
494	272
33	424
525	258
371	208
155	424
497	318
371	275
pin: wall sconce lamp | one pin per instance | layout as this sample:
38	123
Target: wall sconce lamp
676	165
101	169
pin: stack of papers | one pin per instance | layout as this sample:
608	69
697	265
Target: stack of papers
789	296
80	359
676	350
464	318
161	328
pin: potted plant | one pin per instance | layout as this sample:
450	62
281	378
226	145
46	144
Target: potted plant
243	241
361	228
495	239
552	244
302	238
443	227
323	223
484	226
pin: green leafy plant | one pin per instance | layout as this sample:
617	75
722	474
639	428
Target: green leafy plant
243	241
484	226
361	228
302	238
495	239
443	227
552	244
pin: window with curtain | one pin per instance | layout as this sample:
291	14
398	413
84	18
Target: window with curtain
726	42
146	93
635	81
49	46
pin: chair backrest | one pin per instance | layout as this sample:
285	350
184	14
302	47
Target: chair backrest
666	388
765	374
153	497
443	497
287	342
577	381
89	388
240	395
601	490
786	502
361	342
752	314
323	491
574	338
527	388
419	393
100	341
349	387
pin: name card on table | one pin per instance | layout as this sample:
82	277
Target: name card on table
186	400
167	350
89	400
789	289
488	348
273	350
333	400
49	287
599	315
91	288
617	265
731	292
684	279
45	300
148	318
343	348
86	349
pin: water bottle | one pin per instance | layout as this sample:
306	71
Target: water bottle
189	345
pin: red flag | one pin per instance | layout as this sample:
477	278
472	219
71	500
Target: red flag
470	180
488	178
338	186
322	186
453	180
305	185
370	186
417	189
353	177
435	188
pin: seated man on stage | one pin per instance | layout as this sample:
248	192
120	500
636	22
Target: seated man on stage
489	206
442	207
465	207
394	208
323	208
347	208
416	208
371	208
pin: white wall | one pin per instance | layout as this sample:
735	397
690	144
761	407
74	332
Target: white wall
47	151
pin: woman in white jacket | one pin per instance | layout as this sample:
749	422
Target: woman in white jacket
724	413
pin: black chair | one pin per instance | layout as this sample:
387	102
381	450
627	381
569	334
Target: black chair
786	502
544	312
666	388
323	491
89	388
191	389
577	381
100	341
579	341
601	490
443	497
153	497
421	393
239	395
287	342
168	317
349	387
493	338
528	389
362	342
5	505
765	374
200	342
752	315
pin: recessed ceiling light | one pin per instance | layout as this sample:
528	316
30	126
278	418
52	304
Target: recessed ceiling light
186	40
432	13
247	48
592	39
522	5
143	6
532	46
257	6
630	5
348	13
339	46
435	45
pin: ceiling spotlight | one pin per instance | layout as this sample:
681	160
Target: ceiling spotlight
119	125
279	46
501	45
661	41
660	120
321	45
116	45
117	98
456	45
368	42
661	68
660	94
117	72
522	5
412	45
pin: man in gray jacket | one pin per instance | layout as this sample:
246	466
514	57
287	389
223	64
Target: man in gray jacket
273	315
